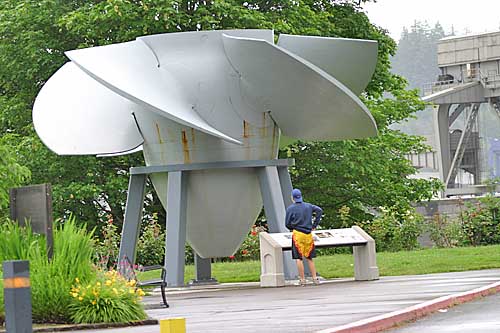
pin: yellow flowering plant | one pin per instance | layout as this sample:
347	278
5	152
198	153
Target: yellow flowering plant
108	298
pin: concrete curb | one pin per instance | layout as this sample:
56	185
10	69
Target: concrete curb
76	327
391	319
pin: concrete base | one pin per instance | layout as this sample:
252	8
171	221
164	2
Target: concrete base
203	282
365	259
272	280
271	262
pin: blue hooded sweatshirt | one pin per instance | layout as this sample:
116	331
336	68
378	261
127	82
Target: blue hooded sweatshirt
299	217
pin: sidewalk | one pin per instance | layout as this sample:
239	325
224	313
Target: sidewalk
245	307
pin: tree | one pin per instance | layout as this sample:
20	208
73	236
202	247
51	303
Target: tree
35	33
416	56
12	174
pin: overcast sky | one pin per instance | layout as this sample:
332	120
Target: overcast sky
466	16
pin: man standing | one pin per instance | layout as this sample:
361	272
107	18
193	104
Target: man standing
299	220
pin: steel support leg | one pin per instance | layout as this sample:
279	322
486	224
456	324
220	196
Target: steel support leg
203	271
176	228
286	185
441	121
273	197
132	221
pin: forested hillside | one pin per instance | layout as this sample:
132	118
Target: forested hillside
416	60
416	56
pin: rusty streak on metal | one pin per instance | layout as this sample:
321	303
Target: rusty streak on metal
185	147
263	130
192	136
158	133
246	129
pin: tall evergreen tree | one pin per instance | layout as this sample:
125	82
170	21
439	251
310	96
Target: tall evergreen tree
416	56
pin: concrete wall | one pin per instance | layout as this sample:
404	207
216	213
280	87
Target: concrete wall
449	207
469	49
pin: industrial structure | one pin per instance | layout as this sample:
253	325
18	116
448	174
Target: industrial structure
466	96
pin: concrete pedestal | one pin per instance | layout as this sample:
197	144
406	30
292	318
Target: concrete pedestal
271	262
365	259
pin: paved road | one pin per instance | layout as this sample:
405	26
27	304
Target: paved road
305	309
480	316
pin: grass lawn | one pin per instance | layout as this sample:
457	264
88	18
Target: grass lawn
423	261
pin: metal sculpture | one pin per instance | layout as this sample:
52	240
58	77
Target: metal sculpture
208	96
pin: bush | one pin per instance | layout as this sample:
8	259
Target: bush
481	222
107	248
151	244
51	281
445	232
107	298
394	232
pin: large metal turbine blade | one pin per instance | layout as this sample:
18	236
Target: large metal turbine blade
131	70
305	101
76	115
199	64
350	61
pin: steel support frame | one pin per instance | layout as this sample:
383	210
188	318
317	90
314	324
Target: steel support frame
441	122
275	185
462	143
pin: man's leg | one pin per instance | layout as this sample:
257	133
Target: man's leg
300	268
312	268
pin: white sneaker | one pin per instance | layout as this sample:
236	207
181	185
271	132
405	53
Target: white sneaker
301	283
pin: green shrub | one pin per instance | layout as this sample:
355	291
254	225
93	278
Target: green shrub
151	244
51	280
394	232
445	232
107	247
107	298
481	222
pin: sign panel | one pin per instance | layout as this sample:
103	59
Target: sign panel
324	238
34	204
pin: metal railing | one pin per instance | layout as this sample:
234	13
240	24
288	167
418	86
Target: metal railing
438	86
491	80
426	160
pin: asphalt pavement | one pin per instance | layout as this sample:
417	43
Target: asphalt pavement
478	316
246	307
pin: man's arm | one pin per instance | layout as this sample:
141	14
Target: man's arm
288	221
317	212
